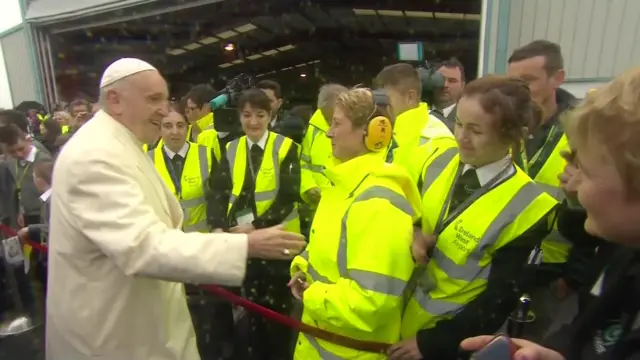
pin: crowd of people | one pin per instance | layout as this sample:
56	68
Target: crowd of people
425	224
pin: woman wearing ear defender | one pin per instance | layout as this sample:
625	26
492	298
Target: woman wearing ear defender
481	218
352	276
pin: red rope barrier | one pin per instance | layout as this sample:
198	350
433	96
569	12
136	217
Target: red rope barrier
369	346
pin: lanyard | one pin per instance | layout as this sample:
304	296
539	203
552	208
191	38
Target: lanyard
20	177
529	163
444	221
447	218
174	178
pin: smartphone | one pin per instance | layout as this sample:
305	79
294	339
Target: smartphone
500	348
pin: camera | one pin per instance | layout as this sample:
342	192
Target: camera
432	82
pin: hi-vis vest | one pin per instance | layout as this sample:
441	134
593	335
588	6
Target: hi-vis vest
209	137
268	177
195	174
434	137
461	262
316	155
356	284
544	168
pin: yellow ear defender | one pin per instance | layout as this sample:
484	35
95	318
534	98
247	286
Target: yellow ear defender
379	130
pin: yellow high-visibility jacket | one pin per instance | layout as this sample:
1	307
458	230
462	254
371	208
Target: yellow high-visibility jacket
193	184
358	260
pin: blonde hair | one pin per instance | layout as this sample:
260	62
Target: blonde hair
610	117
358	107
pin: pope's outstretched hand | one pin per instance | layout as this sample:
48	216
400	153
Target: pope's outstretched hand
274	244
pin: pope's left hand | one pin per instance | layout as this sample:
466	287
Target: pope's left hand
405	350
242	229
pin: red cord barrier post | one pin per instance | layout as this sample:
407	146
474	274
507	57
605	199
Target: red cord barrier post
369	346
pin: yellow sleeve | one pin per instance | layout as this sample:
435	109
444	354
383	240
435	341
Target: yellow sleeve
370	294
300	263
306	174
209	138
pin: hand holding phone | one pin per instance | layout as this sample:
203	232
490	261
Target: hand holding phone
500	348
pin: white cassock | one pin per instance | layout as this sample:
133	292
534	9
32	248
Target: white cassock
114	235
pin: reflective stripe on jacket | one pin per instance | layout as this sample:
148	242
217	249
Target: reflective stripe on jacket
209	138
461	262
358	260
316	155
193	182
268	176
544	170
408	125
435	136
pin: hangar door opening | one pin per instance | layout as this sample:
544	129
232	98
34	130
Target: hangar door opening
302	44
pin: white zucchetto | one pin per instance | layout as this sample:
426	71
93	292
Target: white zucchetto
123	68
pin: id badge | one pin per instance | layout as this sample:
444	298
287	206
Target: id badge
13	251
244	217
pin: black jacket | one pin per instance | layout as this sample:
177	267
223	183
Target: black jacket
609	302
290	125
608	326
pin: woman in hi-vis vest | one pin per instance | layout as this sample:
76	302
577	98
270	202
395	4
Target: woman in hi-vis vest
481	219
257	185
352	275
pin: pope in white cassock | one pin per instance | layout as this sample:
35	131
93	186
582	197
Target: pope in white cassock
117	256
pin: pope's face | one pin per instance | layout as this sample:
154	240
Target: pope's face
143	103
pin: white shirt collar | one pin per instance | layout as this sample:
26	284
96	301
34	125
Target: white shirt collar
487	172
183	151
446	111
262	142
32	156
45	195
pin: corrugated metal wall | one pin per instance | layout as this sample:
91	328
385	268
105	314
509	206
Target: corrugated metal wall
20	71
598	37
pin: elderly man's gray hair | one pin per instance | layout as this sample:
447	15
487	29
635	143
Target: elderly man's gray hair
327	99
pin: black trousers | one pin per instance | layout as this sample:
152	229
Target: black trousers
213	323
266	284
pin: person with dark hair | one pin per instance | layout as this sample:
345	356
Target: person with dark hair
42	174
18	119
284	123
257	185
274	92
15	117
541	65
184	166
23	206
23	156
488	216
50	130
200	116
454	80
603	177
198	111
80	107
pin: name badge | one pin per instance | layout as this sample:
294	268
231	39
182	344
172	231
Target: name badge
13	251
244	217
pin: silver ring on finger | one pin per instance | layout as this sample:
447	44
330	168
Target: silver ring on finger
286	252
